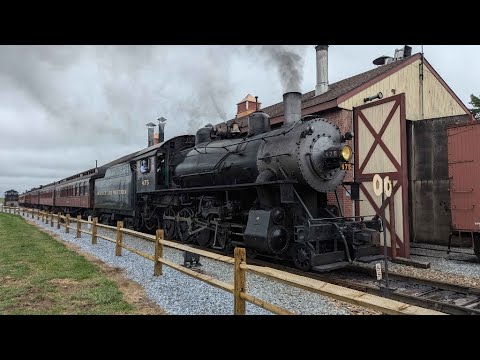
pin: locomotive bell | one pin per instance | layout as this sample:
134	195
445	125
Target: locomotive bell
234	129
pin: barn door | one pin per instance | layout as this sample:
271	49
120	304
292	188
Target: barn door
381	148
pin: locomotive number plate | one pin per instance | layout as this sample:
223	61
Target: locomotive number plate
145	182
346	166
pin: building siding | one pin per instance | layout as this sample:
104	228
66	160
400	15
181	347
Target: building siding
437	101
343	119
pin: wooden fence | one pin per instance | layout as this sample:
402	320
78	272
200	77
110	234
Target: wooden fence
238	288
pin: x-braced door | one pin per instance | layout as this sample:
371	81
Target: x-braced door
381	148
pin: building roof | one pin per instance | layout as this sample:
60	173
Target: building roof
336	90
247	98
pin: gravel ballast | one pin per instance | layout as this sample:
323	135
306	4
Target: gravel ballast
180	294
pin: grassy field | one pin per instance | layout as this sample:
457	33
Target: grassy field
39	275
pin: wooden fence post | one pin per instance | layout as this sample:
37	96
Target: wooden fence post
158	253
51	218
94	231
118	247
239	282
23	212
67	223
59	219
79	226
38	214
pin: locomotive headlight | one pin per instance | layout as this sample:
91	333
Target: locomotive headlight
347	153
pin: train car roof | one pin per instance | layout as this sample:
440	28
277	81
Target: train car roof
100	171
151	150
119	160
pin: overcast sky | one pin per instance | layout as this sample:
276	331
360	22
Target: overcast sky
63	107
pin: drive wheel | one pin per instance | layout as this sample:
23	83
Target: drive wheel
169	223
184	225
152	223
205	237
303	255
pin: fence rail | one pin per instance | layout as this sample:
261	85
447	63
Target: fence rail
238	288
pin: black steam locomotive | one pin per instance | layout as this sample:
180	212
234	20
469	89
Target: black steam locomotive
265	190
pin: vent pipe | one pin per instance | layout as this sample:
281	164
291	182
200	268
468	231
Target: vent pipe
161	129
322	69
151	127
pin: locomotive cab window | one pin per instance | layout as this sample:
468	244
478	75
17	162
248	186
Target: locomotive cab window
145	166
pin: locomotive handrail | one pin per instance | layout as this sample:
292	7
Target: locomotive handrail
342	217
226	187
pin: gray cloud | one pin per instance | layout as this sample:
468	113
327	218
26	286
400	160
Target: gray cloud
63	107
288	61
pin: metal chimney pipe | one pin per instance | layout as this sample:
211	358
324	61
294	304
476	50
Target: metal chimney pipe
292	104
161	129
322	69
150	137
151	127
161	132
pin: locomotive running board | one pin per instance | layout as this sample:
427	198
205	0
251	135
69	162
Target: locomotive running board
330	267
224	187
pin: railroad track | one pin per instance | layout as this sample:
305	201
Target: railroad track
441	296
426	251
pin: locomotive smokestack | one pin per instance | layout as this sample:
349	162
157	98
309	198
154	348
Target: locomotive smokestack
322	69
292	103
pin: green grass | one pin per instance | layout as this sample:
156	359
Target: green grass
39	275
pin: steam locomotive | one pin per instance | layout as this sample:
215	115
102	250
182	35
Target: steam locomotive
265	190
